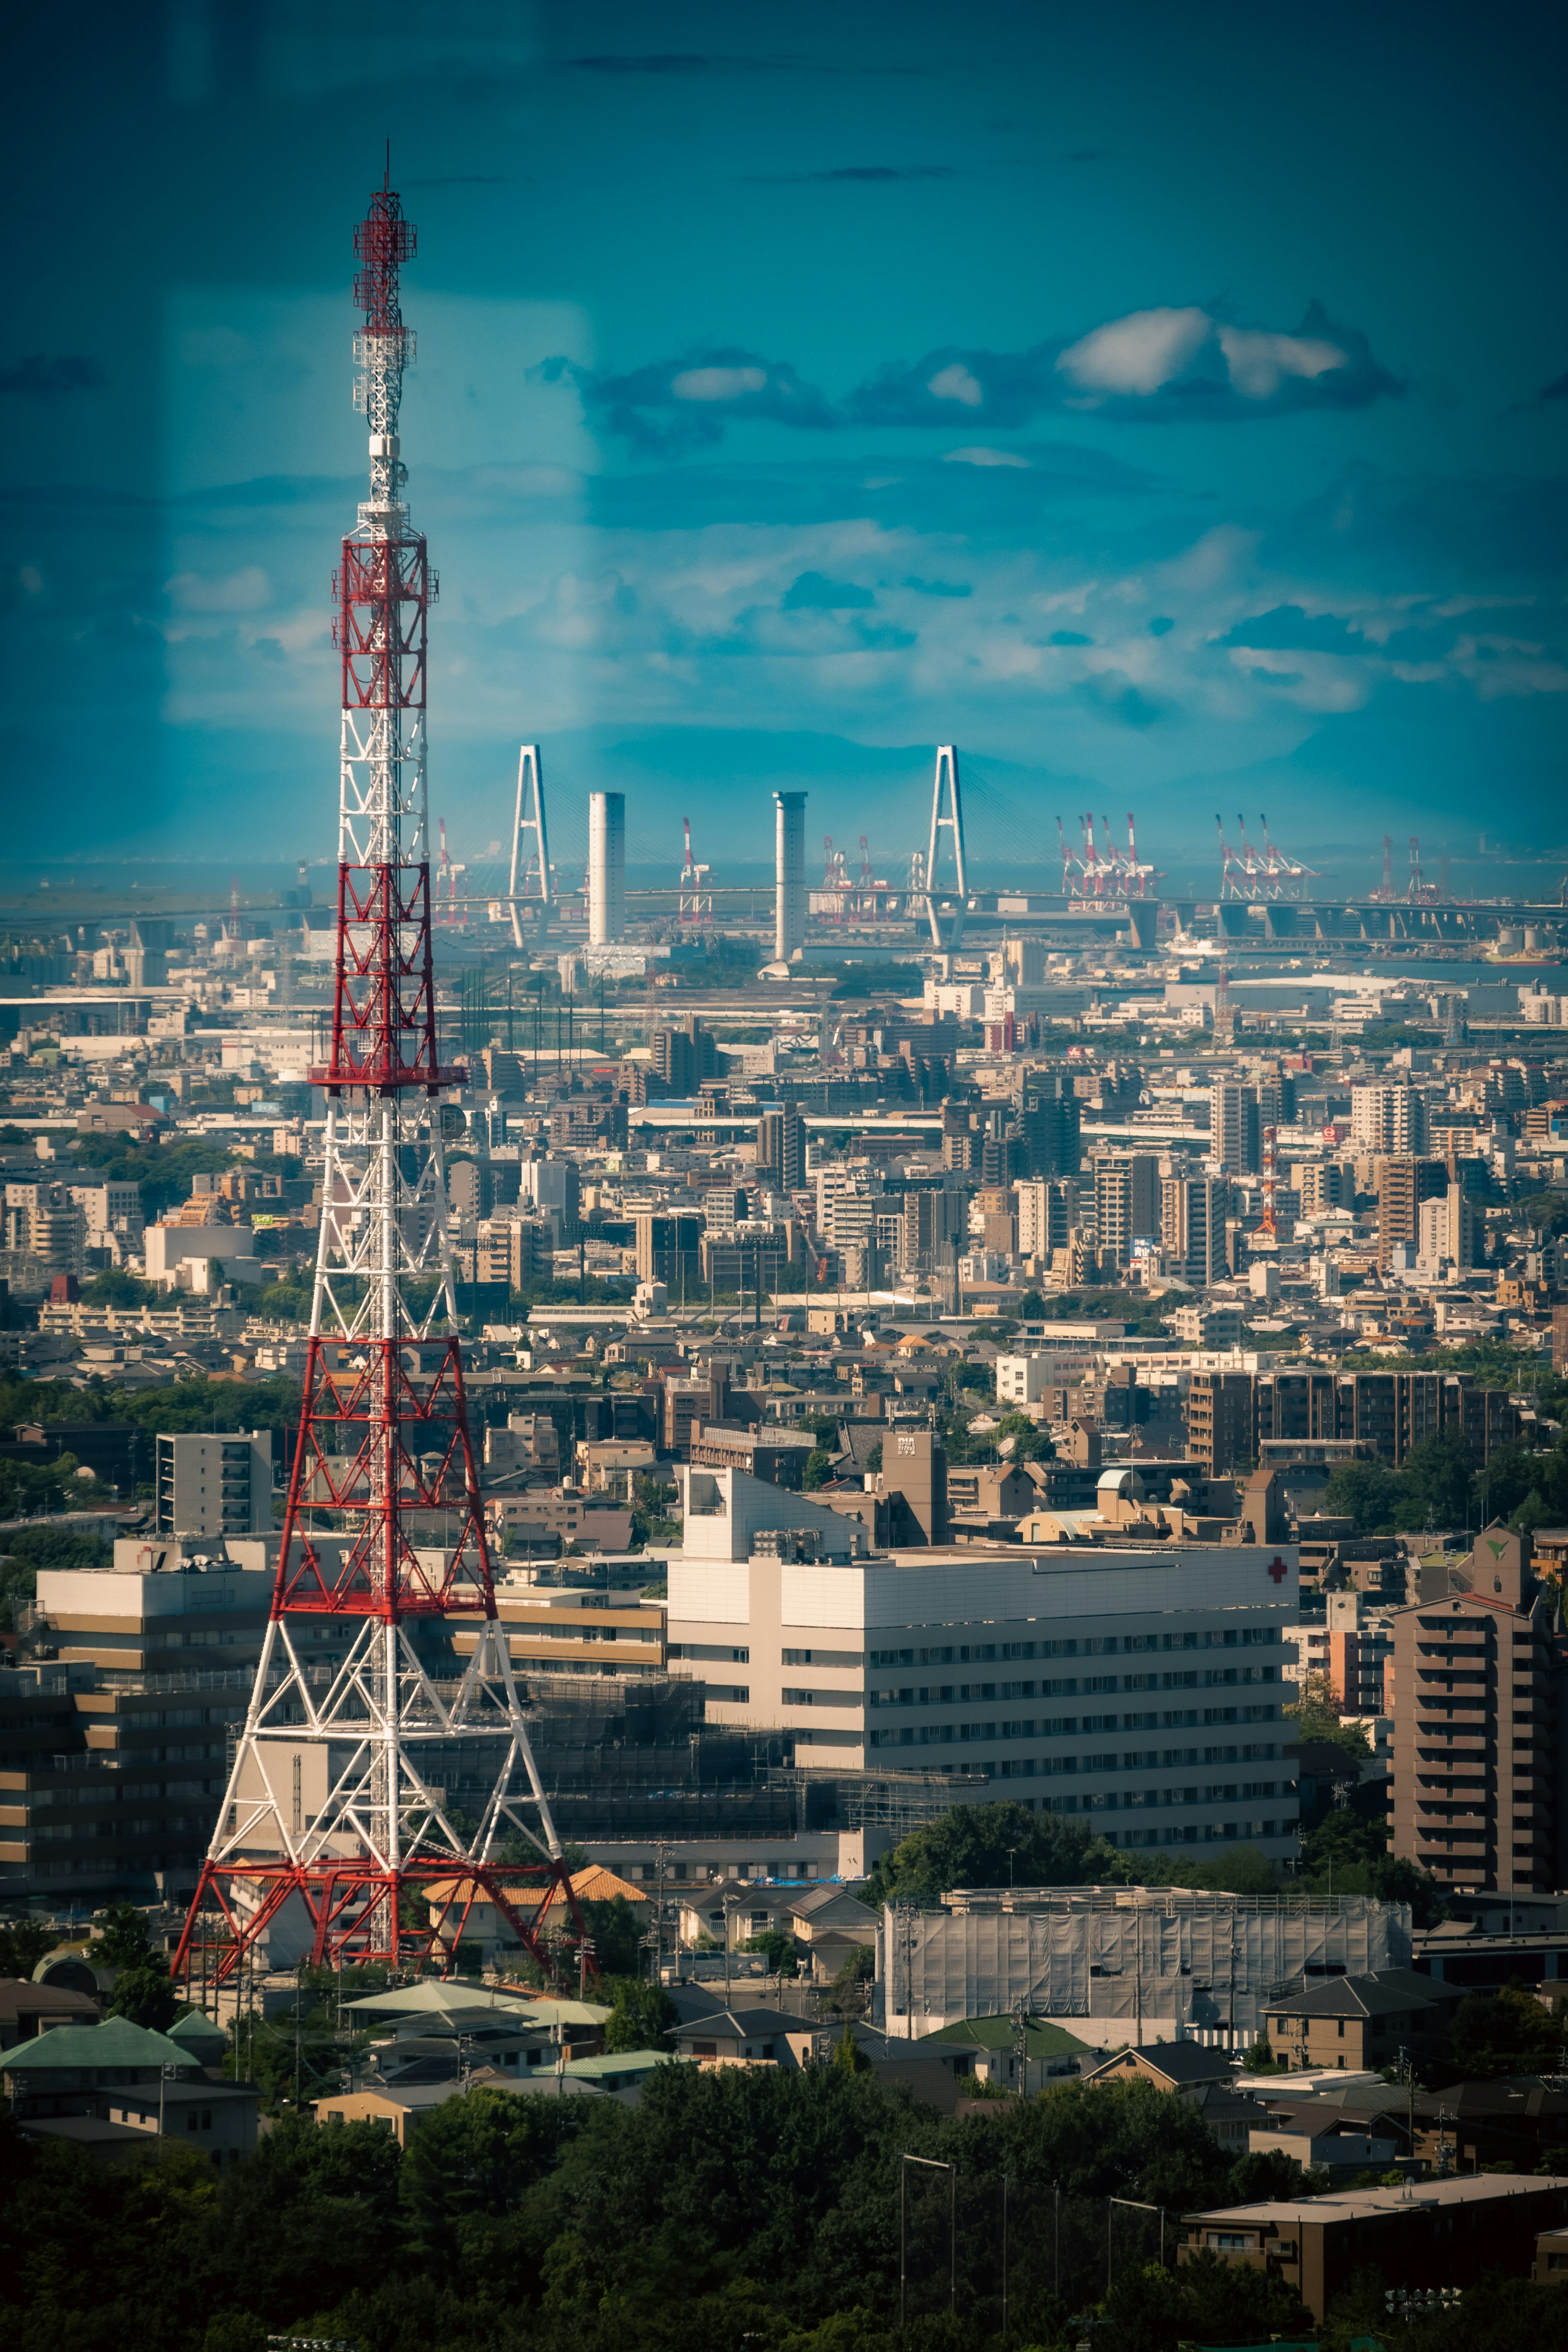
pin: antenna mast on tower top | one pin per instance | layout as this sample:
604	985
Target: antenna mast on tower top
335	1838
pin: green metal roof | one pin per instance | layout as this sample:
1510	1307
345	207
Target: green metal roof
617	2064
1042	2038
198	2033
115	2043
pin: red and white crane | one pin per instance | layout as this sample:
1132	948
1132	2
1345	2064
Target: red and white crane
695	901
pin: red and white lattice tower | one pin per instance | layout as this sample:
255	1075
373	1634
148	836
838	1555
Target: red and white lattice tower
335	1833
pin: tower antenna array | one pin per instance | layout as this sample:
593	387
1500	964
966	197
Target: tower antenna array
335	1836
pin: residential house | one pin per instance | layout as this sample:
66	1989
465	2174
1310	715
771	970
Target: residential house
1355	2021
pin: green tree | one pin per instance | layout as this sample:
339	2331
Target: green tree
1434	1483
123	1938
145	1995
848	2055
116	1287
642	2016
1506	2032
780	1948
1030	1441
1151	2309
23	1943
818	1469
981	1846
1366	1492
846	1994
614	1932
470	2161
1316	1716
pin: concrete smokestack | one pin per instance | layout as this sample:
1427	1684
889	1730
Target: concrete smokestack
607	868
789	867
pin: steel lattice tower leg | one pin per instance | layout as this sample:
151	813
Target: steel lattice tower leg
334	1825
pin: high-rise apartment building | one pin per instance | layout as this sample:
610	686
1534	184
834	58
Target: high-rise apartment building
1324	1184
1404	1184
1193	1211
1387	1119
1049	1116
213	1486
934	1219
781	1148
1126	1202
1222	1420
1480	1680
1047	1212
1234	1136
667	1249
1448	1226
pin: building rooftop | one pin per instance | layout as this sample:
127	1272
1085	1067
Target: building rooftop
1366	2204
86	2048
1043	2037
1384	1993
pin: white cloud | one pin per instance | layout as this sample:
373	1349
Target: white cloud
955	383
982	456
245	591
718	382
1258	362
1138	353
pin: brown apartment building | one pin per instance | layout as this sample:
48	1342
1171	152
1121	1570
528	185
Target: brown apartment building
1448	2234
1230	1413
1478	1682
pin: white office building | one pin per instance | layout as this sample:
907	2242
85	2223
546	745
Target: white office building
1141	1689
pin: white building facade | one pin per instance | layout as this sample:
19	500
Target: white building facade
1140	1691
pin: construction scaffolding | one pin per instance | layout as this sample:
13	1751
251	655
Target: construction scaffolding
1141	1960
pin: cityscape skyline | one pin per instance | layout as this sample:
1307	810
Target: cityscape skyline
934	433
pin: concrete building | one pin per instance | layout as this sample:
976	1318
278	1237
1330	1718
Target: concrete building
553	1189
1234	1137
1137	1964
1230	1415
1387	1119
781	1148
1193	1211
1023	1656
789	875
1480	1681
1404	1185
1453	2233
1049	1124
1047	1212
607	868
1221	1420
213	1486
1126	1202
1446	1229
110	1783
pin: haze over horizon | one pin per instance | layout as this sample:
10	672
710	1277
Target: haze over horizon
1166	411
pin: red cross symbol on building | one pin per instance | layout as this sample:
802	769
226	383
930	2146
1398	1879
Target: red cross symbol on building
1276	1568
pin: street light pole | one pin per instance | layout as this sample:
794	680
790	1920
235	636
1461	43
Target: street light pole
930	2165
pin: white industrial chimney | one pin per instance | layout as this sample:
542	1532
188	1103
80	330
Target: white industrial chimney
608	867
789	866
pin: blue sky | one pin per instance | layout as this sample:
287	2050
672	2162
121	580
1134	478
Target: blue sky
1167	406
